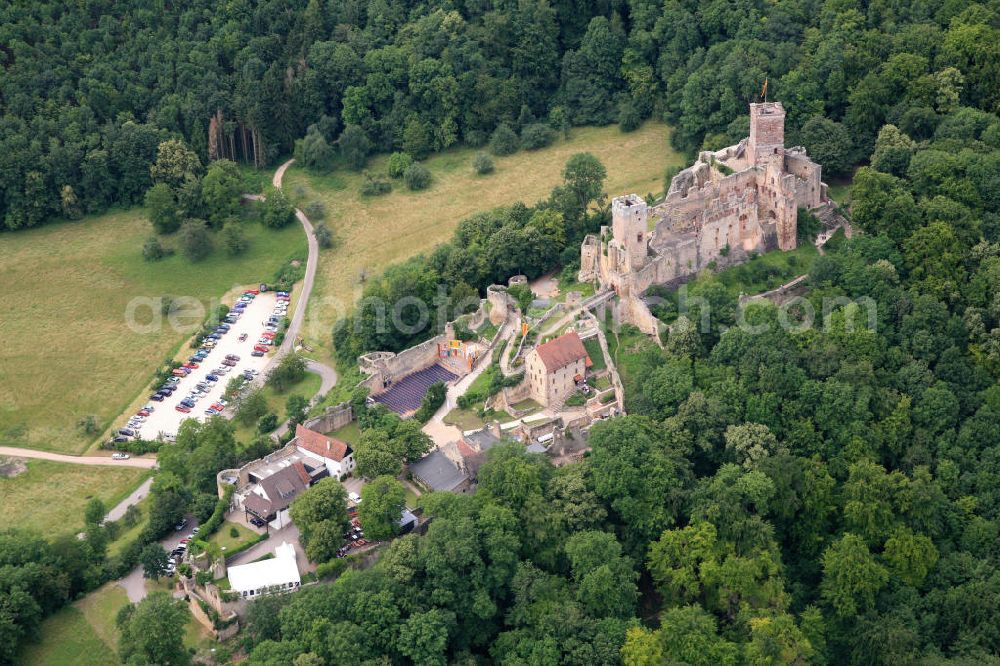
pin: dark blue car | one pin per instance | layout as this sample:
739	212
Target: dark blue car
212	378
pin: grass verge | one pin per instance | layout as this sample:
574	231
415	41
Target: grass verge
69	351
50	497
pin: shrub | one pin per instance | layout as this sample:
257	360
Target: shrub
323	235
153	250
278	212
628	116
233	238
267	423
289	274
196	243
355	146
503	141
315	210
234	532
373	186
475	138
209	527
537	135
398	163
483	164
417	177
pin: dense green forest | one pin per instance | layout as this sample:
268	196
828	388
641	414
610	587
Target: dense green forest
88	90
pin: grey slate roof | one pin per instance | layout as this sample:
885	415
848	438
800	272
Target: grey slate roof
438	472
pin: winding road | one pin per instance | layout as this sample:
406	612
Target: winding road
327	374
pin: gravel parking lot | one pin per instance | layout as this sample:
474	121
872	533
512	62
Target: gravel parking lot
166	419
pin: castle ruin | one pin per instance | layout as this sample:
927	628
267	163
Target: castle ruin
730	203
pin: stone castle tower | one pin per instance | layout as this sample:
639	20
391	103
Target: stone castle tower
629	227
767	133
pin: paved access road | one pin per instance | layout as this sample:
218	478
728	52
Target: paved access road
307	283
147	463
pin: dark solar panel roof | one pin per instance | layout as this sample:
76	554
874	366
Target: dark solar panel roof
405	396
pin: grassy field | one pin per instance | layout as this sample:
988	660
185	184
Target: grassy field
223	539
68	350
50	497
375	232
83	633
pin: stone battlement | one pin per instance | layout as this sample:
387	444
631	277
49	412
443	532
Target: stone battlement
730	203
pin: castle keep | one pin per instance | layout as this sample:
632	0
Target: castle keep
730	203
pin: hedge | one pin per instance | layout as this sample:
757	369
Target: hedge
211	526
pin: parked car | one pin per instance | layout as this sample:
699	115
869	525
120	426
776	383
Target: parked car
218	407
143	412
119	456
128	432
181	525
257	353
191	366
182	409
118	439
212	378
256	522
233	357
229	362
260	348
157	397
210	412
243	337
179	372
354	497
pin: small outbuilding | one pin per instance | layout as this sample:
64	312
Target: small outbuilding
277	575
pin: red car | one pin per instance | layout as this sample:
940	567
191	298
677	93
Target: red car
260	348
142	412
218	407
252	291
268	334
183	409
191	366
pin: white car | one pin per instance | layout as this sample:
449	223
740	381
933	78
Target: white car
119	456
354	497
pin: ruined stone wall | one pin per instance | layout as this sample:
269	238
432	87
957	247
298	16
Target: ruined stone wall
501	305
809	188
332	418
633	310
405	362
670	265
